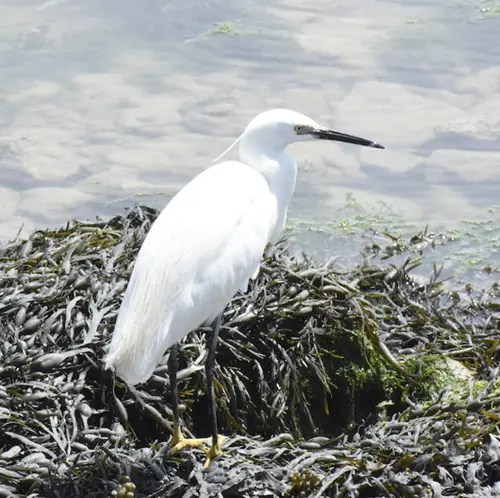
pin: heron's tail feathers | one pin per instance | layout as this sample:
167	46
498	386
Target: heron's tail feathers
137	344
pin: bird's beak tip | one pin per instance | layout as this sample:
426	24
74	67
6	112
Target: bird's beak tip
376	145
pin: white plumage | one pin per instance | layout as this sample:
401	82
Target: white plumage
205	245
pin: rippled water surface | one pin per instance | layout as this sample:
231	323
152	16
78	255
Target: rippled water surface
105	104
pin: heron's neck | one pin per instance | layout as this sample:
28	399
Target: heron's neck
273	163
277	167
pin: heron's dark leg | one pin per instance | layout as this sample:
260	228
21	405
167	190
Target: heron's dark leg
173	365
178	440
215	449
209	368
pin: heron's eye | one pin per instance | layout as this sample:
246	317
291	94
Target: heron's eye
300	129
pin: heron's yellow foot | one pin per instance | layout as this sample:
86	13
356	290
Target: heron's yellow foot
179	442
214	451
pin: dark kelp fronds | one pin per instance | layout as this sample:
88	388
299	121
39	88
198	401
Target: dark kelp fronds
333	381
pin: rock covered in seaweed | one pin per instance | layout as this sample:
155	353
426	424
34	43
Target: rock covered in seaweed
307	380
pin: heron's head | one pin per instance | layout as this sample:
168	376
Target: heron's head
284	127
270	132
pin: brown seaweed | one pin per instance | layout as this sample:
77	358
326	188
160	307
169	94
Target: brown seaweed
353	382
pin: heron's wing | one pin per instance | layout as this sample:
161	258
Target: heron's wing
203	247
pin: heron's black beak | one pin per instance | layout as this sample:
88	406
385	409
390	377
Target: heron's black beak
326	134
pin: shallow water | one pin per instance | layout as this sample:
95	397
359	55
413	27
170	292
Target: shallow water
105	104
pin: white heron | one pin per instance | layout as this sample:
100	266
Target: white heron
206	245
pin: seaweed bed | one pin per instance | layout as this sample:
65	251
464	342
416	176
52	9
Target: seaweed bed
357	382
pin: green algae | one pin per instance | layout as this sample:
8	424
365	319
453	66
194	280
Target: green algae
468	251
